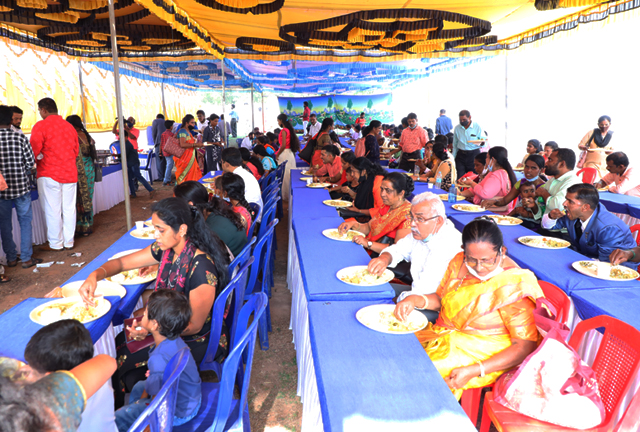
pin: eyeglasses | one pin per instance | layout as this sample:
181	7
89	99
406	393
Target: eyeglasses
419	219
486	263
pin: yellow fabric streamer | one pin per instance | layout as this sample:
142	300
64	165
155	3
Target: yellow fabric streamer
5	9
87	5
239	4
68	16
84	42
160	41
32	4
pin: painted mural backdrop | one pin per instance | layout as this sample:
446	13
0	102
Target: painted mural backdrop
343	109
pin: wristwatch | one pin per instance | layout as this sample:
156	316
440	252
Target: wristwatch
369	244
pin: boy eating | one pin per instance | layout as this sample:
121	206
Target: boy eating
527	205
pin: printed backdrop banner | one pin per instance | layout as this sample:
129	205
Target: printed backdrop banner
343	109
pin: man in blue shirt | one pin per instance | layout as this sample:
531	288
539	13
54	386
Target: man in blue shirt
157	129
592	230
443	124
464	152
234	121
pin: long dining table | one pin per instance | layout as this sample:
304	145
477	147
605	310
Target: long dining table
351	378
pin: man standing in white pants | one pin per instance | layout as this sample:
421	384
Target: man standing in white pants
55	146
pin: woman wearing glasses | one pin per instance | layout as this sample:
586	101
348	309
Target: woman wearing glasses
486	305
390	224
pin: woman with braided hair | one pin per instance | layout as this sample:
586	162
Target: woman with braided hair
85	163
219	216
233	189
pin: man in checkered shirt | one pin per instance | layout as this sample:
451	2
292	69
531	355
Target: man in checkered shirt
16	161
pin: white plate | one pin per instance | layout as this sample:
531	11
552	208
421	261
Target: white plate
337	203
332	233
306	178
506	220
104	288
50	312
470	208
210	179
144	234
540	242
318	185
592	271
148	223
445	197
518	168
380	318
306	173
124	278
124	253
351	271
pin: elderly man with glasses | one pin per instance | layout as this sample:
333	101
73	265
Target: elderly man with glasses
432	244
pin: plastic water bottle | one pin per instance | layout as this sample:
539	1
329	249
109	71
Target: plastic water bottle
439	180
453	194
416	170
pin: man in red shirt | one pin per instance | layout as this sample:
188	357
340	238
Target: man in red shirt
412	140
331	171
55	147
305	117
132	133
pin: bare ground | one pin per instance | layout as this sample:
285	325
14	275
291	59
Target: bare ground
273	403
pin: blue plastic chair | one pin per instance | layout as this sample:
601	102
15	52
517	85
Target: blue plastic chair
219	410
235	287
273	186
268	180
158	416
147	167
262	251
241	258
255	207
269	215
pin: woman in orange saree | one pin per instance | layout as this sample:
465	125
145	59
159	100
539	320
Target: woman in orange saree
187	167
486	304
391	220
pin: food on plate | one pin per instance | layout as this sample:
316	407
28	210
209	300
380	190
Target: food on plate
318	185
506	220
544	242
337	203
335	234
445	197
391	323
307	173
363	277
147	233
606	269
618	272
74	308
129	276
468	207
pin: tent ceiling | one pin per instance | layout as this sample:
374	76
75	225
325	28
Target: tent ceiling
81	27
347	31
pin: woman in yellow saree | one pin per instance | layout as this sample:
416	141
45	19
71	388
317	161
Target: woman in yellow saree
187	167
486	304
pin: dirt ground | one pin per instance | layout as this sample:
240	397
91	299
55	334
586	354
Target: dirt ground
273	404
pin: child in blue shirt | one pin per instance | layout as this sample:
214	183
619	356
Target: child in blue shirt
166	316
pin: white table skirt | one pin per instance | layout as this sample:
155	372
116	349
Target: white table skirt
299	325
107	193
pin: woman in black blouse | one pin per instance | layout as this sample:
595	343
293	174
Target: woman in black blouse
193	261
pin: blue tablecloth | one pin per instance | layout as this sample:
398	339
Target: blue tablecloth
618	203
17	327
374	381
622	304
321	258
548	265
128	303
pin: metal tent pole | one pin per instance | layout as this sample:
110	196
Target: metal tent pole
164	106
506	102
262	94
253	123
123	147
84	112
224	101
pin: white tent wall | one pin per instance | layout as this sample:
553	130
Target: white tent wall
556	89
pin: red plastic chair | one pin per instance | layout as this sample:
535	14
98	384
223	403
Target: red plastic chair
558	299
589	175
470	400
634	229
616	364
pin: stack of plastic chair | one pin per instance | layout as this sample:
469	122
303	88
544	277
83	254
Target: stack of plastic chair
158	415
470	400
616	365
589	175
236	287
219	411
262	251
147	167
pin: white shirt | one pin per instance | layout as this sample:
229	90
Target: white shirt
314	128
429	261
246	143
548	223
201	126
355	135
252	191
